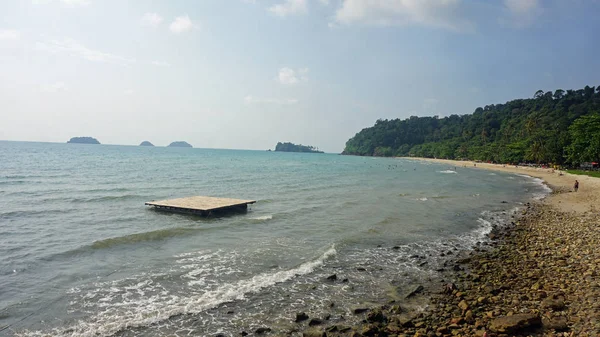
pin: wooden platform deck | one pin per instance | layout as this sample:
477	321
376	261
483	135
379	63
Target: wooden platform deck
200	205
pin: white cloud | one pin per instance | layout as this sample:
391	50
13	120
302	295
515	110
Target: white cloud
152	19
521	7
55	87
9	34
255	100
181	24
445	14
250	1
74	48
160	64
291	76
129	92
289	7
521	13
324	2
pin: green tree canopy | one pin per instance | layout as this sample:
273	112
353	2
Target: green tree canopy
585	139
536	130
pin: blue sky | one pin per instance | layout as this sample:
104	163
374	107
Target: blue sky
246	74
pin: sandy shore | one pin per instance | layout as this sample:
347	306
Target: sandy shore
586	199
540	276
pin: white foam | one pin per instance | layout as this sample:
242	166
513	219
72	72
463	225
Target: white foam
422	199
147	310
447	171
539	182
263	218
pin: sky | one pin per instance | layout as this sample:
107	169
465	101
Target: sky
246	74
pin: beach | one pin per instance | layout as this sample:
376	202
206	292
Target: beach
586	199
539	276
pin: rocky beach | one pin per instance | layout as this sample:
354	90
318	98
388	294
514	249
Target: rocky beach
539	276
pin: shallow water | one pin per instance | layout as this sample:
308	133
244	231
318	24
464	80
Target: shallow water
81	255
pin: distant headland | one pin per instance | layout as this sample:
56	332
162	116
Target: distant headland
180	144
290	147
83	140
146	143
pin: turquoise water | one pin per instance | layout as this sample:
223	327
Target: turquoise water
80	254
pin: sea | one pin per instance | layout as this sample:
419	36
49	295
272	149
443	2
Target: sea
81	255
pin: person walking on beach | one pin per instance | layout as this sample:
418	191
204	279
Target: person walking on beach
576	185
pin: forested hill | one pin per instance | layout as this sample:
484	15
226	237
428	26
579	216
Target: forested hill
561	127
290	147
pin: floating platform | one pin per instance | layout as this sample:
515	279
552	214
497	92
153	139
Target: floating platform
200	205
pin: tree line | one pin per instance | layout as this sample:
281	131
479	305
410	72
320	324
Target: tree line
560	127
290	147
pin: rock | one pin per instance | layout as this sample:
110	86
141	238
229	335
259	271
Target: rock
442	330
301	316
262	330
361	269
332	277
416	291
315	321
469	317
360	310
345	280
230	312
375	316
556	323
396	309
369	330
463	305
449	288
244	333
314	333
554	304
515	323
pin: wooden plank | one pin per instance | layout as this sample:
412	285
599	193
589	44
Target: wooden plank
199	203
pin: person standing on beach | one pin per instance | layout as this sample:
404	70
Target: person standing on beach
576	185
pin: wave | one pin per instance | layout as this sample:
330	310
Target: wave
153	310
24	213
142	237
108	198
13	182
263	218
545	189
539	183
422	199
447	171
441	197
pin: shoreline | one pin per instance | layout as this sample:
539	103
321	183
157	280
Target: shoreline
585	200
539	275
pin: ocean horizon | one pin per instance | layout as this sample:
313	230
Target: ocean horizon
82	255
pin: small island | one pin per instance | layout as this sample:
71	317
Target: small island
180	144
290	147
83	140
146	143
